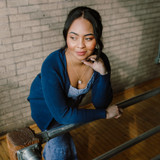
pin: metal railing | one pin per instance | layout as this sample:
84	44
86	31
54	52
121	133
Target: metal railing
156	158
128	144
32	152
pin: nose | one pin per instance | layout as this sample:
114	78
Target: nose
81	43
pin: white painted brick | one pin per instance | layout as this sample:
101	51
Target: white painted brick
2	69
16	91
38	67
37	42
65	5
16	18
5	105
21	31
12	40
40	28
49	6
4	20
21	52
8	115
23	58
61	19
16	3
24	95
15	25
6	62
52	20
25	70
38	55
2	3
56	26
8	11
10	67
58	12
52	39
4	27
11	83
32	36
51	33
27	113
22	45
31	2
31	75
122	20
56	1
5	48
18	102
140	12
5	33
21	65
8	55
2	81
24	82
28	9
30	23
34	62
18	113
52	46
39	15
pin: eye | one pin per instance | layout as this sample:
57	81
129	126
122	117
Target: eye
89	38
73	38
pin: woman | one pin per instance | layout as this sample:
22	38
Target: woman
66	76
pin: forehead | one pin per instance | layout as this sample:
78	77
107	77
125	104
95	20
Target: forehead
81	26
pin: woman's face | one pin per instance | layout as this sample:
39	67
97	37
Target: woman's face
80	39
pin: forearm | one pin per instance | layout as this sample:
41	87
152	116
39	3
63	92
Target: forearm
80	116
102	92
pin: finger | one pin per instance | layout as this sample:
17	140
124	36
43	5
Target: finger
92	56
118	116
88	63
91	59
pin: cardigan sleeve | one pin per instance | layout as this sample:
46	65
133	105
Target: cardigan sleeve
102	90
56	100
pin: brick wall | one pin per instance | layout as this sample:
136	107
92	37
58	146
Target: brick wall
31	29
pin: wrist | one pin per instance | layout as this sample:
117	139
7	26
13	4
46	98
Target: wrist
104	73
106	114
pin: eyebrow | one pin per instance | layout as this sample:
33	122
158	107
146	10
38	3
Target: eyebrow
90	34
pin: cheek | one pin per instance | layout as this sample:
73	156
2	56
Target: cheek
92	46
70	44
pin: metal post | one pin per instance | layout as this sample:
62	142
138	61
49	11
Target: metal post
54	132
32	152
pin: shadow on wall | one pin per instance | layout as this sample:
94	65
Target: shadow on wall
135	27
133	56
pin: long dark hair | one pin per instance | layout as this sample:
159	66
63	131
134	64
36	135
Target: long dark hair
93	17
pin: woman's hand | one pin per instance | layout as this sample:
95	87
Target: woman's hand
113	111
97	65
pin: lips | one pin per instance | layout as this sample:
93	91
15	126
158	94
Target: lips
81	53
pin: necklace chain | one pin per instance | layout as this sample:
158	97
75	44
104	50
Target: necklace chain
79	78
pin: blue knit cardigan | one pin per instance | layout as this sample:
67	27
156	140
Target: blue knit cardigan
48	94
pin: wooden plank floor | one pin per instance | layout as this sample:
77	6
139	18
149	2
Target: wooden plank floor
100	136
